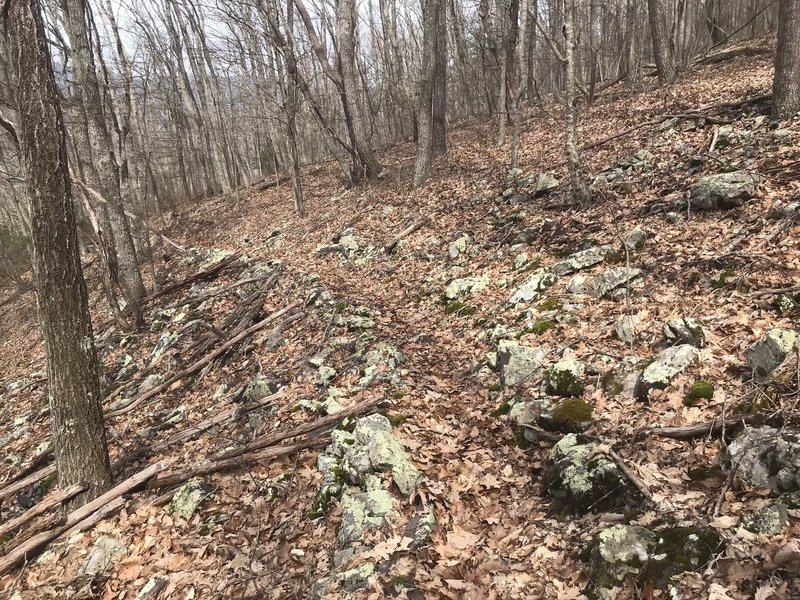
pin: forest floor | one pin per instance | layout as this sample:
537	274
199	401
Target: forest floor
498	534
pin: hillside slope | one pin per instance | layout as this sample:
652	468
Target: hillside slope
374	327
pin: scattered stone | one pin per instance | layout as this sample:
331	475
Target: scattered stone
665	367
625	327
581	477
581	260
347	245
565	378
685	330
420	527
546	183
458	246
518	363
533	287
152	588
363	512
260	387
325	374
611	280
723	191
467	285
766	458
624	377
529	412
635	238
578	285
167	340
769	352
102	556
520	261
618	552
348	581
190	496
768	521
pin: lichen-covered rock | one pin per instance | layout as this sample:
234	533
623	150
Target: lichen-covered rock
635	238
579	285
347	245
528	412
260	387
625	327
769	352
420	527
149	382
466	285
665	367
533	287
348	581
152	588
618	552
623	378
104	554
546	183
685	330
581	260
580	478
565	378
520	261
767	458
190	496
609	281
518	363
723	191
458	246
362	512
770	520
679	549
325	374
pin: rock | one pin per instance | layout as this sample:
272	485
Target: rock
767	458
635	238
325	375
362	512
518	363
533	287
190	496
514	174
608	281
167	340
781	135
149	382
581	260
260	387
348	581
624	377
679	549
625	327
529	412
521	261
768	521
685	330
546	183
152	588
458	246
723	191
618	552
665	367
581	477
347	245
103	556
467	285
565	378
420	527
769	352
578	285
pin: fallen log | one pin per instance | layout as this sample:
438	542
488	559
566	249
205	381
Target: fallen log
201	362
79	519
211	271
713	427
29	480
416	226
40	508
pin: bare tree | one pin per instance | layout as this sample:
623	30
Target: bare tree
786	87
79	439
422	164
578	189
663	48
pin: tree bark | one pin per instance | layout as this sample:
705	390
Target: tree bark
577	184
422	164
786	87
74	393
663	50
439	108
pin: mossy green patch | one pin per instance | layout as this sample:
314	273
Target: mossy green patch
551	303
398	394
571	413
496	387
721	280
459	309
396	420
501	410
700	390
541	326
520	438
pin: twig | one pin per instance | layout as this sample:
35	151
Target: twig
41	508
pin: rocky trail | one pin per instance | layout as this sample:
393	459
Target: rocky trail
542	400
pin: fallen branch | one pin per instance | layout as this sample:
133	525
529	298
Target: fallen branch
304	429
41	508
78	519
202	362
271	183
719	57
271	278
23	483
416	226
713	427
211	271
775	291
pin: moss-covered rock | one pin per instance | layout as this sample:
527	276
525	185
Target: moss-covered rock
565	378
768	353
700	390
679	549
571	415
665	367
190	496
770	520
618	552
541	326
533	287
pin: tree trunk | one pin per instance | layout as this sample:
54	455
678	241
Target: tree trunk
786	87
634	43
79	437
439	109
577	185
663	49
422	164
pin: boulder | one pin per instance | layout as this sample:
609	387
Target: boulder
723	191
103	556
362	512
618	552
458	246
565	378
546	183
635	238
685	330
767	458
665	367
518	363
769	352
622	379
770	520
190	496
581	477
533	287
466	285
609	281
581	260
625	327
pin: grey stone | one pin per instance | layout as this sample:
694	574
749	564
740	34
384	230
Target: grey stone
770	520
362	512
533	287
609	281
190	496
581	260
546	183
723	191
625	327
578	285
458	246
104	554
518	363
769	352
420	527
260	387
325	374
565	378
635	238
466	285
152	588
665	367
618	552
767	458
685	330
520	261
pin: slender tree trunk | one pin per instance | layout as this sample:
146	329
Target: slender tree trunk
634	17
422	164
663	49
786	87
73	382
577	184
439	114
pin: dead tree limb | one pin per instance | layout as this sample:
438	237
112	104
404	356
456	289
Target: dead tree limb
212	271
713	427
23	483
40	508
416	226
